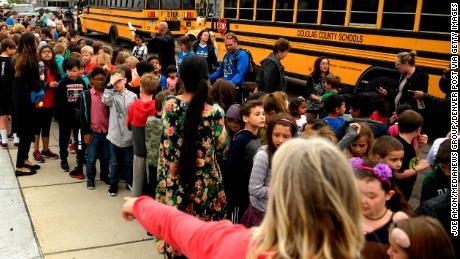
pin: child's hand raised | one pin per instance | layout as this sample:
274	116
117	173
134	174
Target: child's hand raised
422	139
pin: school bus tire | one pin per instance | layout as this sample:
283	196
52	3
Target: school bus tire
113	34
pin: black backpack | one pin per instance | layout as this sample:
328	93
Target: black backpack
254	69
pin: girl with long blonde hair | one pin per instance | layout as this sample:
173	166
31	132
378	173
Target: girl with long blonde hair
313	212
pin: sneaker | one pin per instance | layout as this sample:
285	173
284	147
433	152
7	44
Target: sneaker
77	173
90	185
48	153
113	190
38	157
73	148
65	165
129	187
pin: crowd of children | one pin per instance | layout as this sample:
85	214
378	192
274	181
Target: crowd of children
119	108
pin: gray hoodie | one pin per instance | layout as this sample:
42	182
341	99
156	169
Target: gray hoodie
118	134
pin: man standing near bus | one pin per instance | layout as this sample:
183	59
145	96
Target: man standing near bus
234	66
166	47
12	20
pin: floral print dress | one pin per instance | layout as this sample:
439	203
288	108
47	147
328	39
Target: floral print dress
207	200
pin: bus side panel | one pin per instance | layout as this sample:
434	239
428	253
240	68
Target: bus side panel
98	26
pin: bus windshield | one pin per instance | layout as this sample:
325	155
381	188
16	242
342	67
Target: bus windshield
177	4
171	4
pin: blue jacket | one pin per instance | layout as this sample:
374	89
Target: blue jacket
229	71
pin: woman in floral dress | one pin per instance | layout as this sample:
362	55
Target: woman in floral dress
189	177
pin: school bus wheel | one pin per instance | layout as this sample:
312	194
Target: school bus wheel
113	34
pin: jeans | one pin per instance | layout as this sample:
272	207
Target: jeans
99	148
125	156
65	128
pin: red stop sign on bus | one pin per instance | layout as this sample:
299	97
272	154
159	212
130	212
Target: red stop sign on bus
222	26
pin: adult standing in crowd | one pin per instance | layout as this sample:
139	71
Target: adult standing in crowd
205	48
189	177
313	212
26	80
12	20
234	66
411	79
8	48
271	77
316	87
167	48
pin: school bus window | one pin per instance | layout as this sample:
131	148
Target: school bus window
435	17
399	14
333	12
189	5
153	4
284	11
264	10
364	11
246	9
230	9
170	4
307	11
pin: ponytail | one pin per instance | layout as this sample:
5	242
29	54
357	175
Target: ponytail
407	57
194	72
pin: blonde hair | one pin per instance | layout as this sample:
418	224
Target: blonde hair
59	49
407	57
131	61
103	60
87	49
121	57
149	84
63	27
18	28
313	207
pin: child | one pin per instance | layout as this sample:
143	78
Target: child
152	141
420	237
334	106
172	78
332	86
410	126
81	73
138	112
298	108
94	118
66	102
240	159
281	129
59	51
380	201
8	50
393	130
185	50
140	51
104	61
390	151
44	109
437	182
155	61
362	144
361	109
87	53
118	98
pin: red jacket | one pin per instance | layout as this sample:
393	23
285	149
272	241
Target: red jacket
138	112
197	239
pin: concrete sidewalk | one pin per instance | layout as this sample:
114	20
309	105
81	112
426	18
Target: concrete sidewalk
51	215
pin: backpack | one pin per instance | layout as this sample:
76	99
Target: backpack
254	69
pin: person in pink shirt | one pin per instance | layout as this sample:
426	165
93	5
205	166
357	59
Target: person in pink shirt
313	212
94	120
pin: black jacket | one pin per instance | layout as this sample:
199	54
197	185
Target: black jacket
417	82
65	110
23	109
166	51
271	78
211	59
239	166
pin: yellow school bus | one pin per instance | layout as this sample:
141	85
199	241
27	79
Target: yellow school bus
120	18
360	37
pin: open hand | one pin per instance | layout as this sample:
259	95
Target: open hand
418	95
